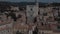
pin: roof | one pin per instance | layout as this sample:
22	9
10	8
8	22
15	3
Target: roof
5	27
22	27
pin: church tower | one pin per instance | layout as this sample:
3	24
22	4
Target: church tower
32	11
36	1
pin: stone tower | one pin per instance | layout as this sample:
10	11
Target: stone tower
32	11
36	1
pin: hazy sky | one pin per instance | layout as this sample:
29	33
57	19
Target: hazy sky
32	0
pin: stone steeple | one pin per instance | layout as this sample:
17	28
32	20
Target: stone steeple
36	1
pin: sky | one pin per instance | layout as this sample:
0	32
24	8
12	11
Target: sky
45	1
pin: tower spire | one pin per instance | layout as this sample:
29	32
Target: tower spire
36	1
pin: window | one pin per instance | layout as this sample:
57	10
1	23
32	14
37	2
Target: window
17	32
31	9
8	30
0	17
44	14
35	19
19	16
59	14
21	9
38	13
57	19
56	8
50	17
58	27
42	24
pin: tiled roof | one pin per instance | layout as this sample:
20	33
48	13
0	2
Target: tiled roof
3	27
22	27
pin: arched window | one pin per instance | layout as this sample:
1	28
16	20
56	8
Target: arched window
31	9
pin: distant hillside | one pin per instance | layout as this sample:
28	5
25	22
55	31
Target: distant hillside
55	4
20	3
27	3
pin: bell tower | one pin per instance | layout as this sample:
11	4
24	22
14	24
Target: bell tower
36	1
32	12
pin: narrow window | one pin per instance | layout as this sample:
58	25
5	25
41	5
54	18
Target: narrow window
31	9
42	24
19	16
45	14
59	14
58	27
35	19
